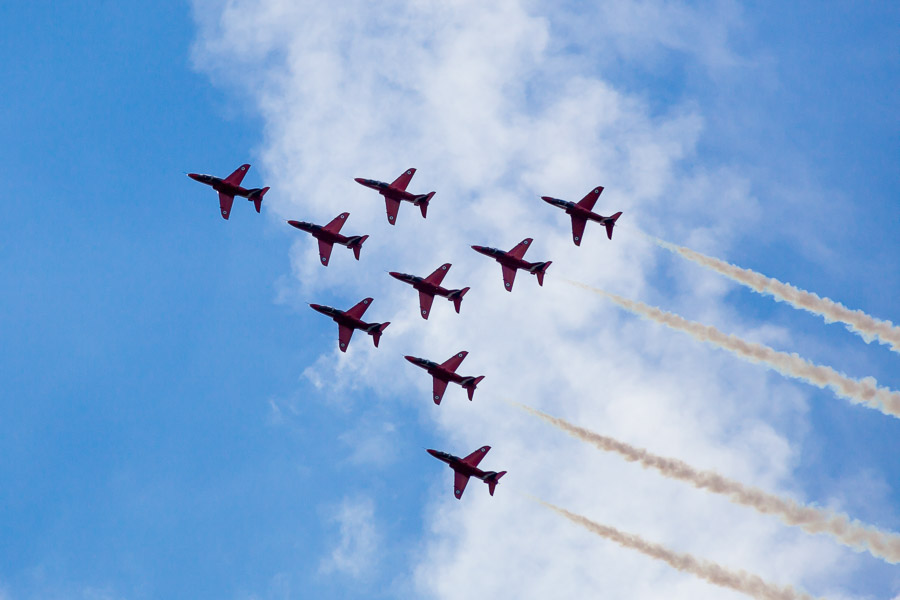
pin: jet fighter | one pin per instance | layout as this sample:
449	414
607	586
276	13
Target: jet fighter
430	286
230	187
581	213
445	372
395	192
352	319
512	261
463	468
329	235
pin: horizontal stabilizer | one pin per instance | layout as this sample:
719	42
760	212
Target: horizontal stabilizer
257	197
492	482
356	244
610	223
470	387
457	297
422	203
376	332
539	271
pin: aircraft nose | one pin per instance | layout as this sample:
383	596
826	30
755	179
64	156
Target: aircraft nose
194	176
431	452
294	224
359	180
411	359
394	274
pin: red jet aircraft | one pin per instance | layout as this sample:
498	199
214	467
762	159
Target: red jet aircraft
350	320
395	192
463	468
430	286
230	187
512	261
445	372
329	235
581	213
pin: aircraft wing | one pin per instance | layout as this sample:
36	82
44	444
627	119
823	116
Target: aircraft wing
360	309
325	251
438	276
440	386
578	229
425	302
452	363
473	459
344	335
401	182
225	202
238	176
509	277
337	223
459	484
591	198
521	247
393	206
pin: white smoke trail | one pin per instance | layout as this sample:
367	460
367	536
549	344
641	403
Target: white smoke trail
738	580
849	532
859	391
867	327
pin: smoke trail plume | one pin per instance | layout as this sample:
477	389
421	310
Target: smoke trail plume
867	327
741	581
849	532
859	391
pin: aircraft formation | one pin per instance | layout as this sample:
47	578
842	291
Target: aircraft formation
428	287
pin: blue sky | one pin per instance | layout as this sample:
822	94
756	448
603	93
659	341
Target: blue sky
175	422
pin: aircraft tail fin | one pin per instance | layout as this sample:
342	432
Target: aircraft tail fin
376	332
539	269
423	201
257	197
457	297
492	482
471	385
356	244
610	223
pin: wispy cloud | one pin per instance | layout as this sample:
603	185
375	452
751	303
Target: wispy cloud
490	104
355	553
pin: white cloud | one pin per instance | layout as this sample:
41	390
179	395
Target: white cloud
356	551
481	98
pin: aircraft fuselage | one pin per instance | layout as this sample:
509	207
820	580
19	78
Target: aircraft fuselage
504	258
573	209
457	464
320	233
421	285
388	191
342	318
220	185
437	371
